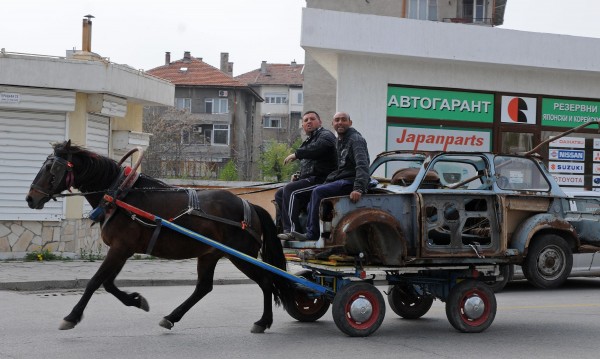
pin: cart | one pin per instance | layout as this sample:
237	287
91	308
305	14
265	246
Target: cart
358	307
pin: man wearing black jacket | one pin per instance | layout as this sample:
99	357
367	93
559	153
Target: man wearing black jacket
317	159
350	177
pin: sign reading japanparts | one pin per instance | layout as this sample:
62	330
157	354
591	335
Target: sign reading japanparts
436	139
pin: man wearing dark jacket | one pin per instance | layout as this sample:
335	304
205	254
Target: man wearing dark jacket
350	177
317	159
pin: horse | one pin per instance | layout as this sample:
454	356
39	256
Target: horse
94	175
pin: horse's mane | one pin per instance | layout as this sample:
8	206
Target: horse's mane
97	170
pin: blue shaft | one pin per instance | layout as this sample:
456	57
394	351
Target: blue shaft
266	266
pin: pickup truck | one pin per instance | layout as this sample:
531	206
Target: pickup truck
465	207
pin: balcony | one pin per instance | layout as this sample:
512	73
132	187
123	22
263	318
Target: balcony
485	21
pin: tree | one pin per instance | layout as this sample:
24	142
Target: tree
229	172
271	161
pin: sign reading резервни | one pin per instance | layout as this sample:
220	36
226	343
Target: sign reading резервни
411	102
569	113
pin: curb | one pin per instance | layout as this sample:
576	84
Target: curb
82	283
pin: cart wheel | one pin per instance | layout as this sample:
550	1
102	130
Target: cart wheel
471	306
407	303
307	307
358	309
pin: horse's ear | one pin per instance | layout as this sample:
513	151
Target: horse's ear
68	144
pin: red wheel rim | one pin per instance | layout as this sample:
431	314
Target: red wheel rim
486	312
374	315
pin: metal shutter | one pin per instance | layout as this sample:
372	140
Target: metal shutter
25	138
97	134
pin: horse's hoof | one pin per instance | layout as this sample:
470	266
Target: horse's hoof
144	304
66	325
165	323
257	329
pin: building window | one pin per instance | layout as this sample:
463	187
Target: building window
474	9
275	98
423	9
216	105
221	135
272	122
300	97
206	135
183	104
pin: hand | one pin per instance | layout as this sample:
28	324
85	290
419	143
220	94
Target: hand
355	196
289	159
294	177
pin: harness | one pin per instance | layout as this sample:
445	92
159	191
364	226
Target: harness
194	209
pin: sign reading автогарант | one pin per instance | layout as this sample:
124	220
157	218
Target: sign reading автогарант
440	104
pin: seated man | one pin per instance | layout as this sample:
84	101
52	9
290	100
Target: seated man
350	177
317	159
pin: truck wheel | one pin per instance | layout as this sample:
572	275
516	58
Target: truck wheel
307	307
506	271
549	261
471	306
358	309
407	303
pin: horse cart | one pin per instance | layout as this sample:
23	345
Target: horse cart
133	216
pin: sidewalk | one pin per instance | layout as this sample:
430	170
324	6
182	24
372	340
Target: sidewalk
50	275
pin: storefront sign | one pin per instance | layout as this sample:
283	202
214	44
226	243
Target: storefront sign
569	113
440	104
436	139
569	142
596	156
596	169
9	97
572	155
596	181
566	167
596	143
568	180
518	110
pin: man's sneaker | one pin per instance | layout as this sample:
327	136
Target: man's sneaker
300	236
285	236
320	243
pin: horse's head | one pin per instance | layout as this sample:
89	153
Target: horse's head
55	176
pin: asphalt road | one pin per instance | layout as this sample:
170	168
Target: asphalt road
530	323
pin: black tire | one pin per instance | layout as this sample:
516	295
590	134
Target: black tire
307	307
507	272
471	306
358	309
407	303
548	262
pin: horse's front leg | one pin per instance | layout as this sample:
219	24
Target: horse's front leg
134	299
206	271
110	267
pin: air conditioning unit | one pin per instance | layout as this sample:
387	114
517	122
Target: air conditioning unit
197	129
223	93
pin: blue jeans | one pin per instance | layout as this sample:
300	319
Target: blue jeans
329	189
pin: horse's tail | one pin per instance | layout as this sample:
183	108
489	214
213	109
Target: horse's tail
272	253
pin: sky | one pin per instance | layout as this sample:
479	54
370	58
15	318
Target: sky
138	33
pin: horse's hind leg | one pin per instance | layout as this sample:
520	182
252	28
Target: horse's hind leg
206	271
265	282
110	267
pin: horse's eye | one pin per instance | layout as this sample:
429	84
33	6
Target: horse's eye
48	167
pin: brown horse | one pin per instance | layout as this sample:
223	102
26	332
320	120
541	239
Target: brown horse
217	212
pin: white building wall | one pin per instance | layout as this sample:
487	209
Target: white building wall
365	59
